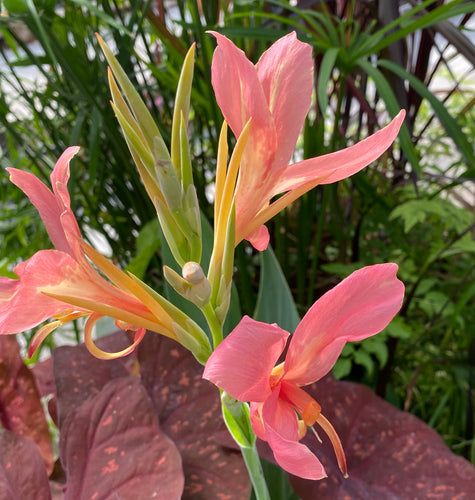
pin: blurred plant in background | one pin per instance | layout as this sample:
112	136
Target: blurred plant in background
414	207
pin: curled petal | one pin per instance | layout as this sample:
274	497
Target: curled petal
259	238
99	353
242	363
360	306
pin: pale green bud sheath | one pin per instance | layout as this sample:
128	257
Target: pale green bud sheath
182	108
192	285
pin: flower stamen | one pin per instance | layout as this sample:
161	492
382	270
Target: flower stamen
335	440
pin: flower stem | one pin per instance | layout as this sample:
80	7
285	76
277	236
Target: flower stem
214	324
253	464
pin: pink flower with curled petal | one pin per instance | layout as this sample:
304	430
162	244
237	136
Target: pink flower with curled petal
63	284
276	94
244	363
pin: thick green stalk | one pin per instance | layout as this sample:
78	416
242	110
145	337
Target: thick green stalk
214	324
253	464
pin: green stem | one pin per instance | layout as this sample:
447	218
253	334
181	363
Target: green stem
253	464
214	324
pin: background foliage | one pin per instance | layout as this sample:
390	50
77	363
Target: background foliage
414	207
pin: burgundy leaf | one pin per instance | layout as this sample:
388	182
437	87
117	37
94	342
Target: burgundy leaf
43	372
111	447
189	411
79	375
22	470
20	406
391	455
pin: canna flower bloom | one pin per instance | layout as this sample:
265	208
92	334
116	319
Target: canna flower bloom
63	284
244	363
276	95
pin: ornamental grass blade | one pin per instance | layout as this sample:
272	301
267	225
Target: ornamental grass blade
453	129
21	411
390	101
390	454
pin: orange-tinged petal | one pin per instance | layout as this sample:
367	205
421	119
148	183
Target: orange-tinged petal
242	364
27	307
99	353
341	164
259	238
358	307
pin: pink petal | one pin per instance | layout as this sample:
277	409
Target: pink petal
60	175
360	306
259	238
27	307
280	423
242	363
46	202
237	87
285	72
240	96
341	164
255	413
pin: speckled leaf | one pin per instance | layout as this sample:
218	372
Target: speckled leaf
391	454
22	470
79	375
111	447
20	406
189	411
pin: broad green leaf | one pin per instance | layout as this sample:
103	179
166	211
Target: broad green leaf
275	303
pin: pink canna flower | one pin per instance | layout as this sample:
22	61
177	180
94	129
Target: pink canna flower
276	95
244	363
63	284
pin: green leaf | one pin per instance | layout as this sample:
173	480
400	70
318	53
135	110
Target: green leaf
377	346
148	242
275	303
364	359
414	211
326	68
342	368
398	329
